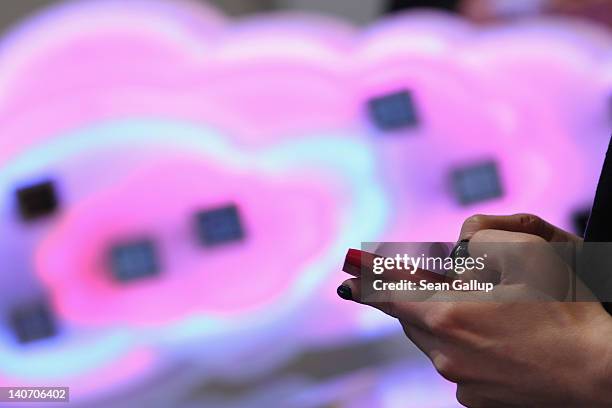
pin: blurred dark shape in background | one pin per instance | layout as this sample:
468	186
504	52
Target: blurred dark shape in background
366	11
398	5
488	11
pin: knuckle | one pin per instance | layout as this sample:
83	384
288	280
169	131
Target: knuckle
466	397
534	225
446	367
463	396
390	308
443	321
475	221
529	220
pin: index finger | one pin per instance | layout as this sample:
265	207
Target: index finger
525	223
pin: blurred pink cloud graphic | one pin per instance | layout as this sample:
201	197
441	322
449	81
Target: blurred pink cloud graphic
315	134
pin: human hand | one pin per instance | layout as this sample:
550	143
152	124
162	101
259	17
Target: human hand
508	353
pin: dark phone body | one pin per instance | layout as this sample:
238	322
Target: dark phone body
599	226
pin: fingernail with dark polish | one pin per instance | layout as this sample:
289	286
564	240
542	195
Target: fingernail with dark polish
461	249
345	292
352	262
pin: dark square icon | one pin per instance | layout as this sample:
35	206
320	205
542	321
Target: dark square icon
476	183
219	226
33	322
37	201
134	260
580	220
394	111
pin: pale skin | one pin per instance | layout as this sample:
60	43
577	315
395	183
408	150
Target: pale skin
512	354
